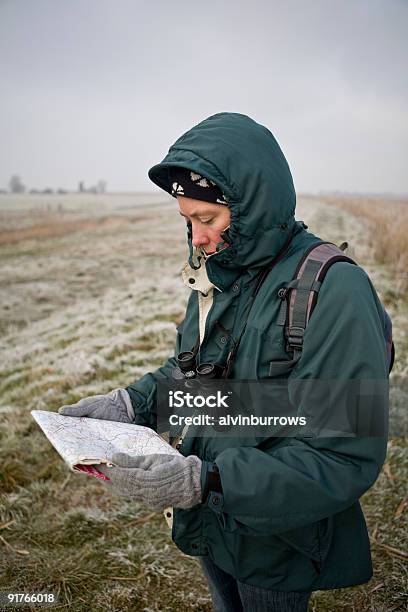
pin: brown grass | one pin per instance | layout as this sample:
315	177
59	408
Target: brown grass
387	222
55	226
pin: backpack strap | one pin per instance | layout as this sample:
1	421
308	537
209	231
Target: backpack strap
299	297
308	277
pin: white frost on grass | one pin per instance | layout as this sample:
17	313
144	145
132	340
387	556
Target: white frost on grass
100	309
108	309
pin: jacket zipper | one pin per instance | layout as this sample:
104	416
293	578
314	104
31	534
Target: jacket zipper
178	442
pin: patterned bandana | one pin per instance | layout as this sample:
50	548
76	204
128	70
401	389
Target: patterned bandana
187	183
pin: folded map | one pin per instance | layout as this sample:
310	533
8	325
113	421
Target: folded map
92	441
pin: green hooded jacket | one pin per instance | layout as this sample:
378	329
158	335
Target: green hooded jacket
288	517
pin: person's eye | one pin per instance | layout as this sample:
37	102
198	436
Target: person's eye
205	221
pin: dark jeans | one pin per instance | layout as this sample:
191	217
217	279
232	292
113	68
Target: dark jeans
229	595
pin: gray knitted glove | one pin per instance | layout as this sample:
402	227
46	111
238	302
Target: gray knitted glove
114	406
156	480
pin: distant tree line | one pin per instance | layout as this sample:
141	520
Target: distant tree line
16	185
100	187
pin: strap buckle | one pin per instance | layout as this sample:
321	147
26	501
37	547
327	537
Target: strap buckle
295	337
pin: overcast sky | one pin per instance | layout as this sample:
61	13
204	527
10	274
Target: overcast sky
95	89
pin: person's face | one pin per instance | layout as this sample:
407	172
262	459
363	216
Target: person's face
207	221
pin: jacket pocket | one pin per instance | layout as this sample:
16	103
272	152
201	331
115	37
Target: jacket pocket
313	541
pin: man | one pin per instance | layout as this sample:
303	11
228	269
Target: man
271	518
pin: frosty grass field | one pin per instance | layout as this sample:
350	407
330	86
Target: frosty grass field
90	296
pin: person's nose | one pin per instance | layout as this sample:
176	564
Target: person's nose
200	235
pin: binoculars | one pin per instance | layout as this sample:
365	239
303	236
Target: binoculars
188	370
199	378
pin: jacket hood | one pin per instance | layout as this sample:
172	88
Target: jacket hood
244	159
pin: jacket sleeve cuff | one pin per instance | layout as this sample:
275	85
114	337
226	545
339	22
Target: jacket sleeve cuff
142	416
